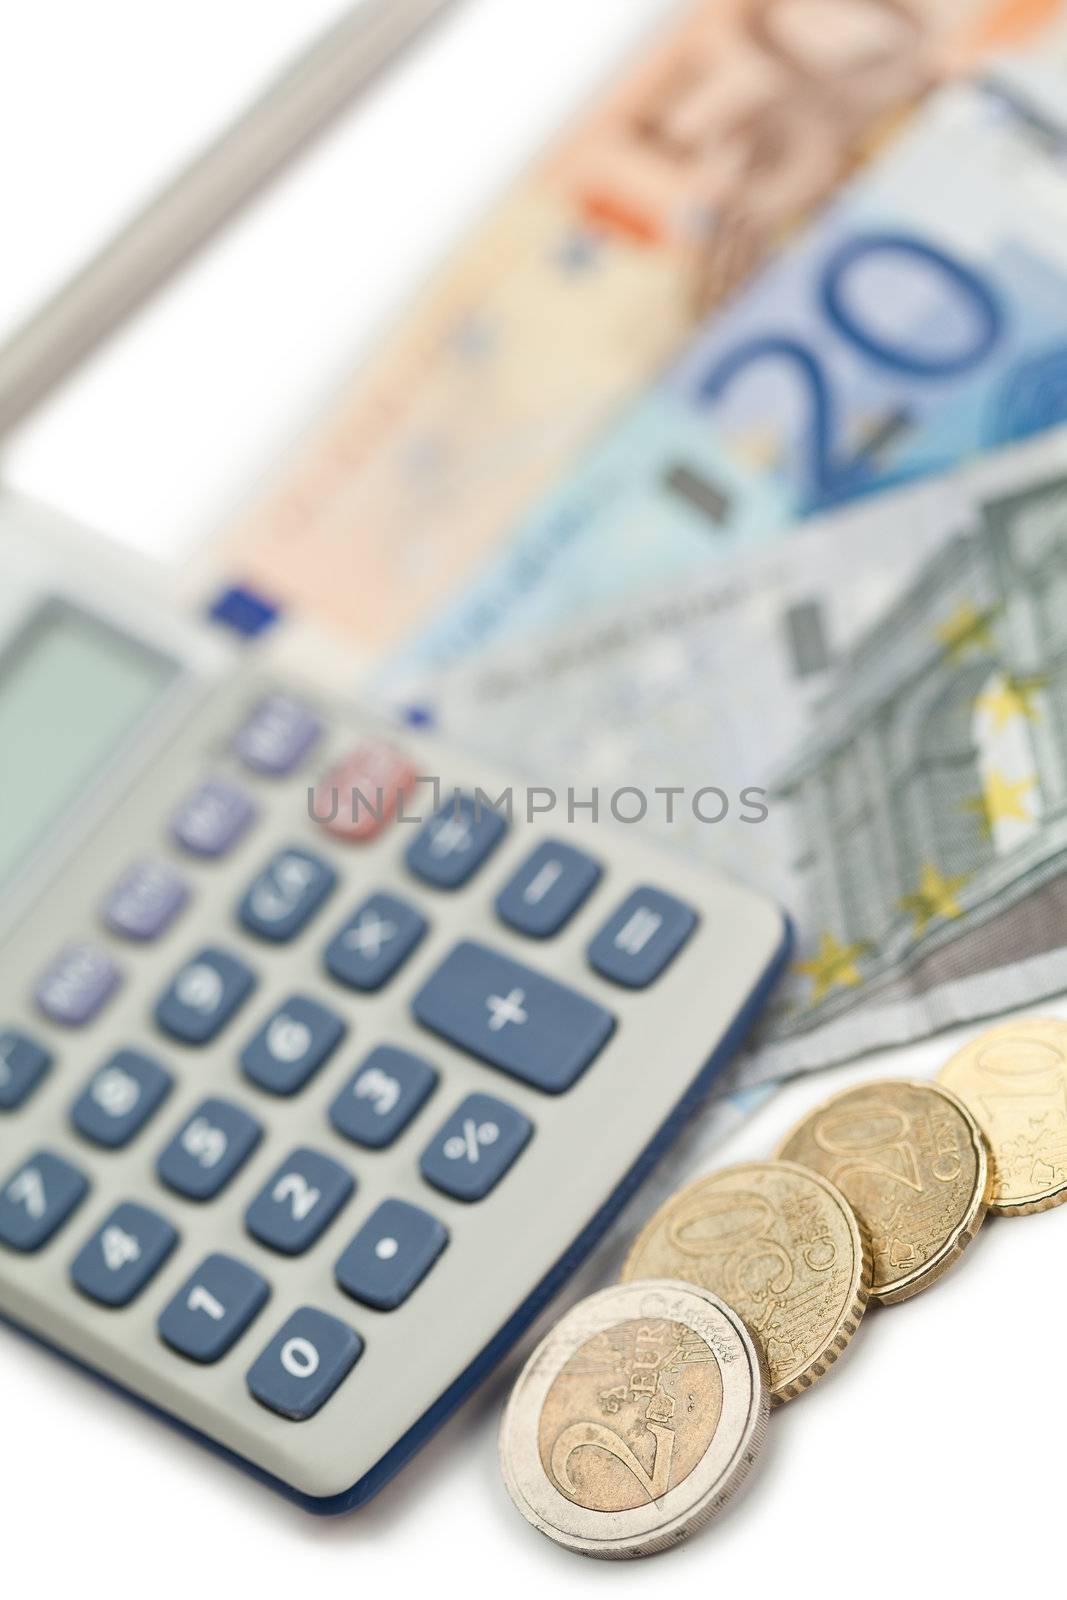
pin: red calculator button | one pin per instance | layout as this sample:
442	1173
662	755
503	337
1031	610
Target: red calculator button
363	793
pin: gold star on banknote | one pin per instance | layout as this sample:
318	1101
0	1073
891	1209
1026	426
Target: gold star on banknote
1012	697
935	897
833	966
1001	801
966	629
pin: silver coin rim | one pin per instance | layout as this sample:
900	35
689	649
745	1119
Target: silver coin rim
716	1477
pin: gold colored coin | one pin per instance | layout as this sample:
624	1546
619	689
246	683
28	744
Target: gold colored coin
779	1243
1014	1080
912	1162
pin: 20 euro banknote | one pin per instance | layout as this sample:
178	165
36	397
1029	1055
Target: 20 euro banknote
921	319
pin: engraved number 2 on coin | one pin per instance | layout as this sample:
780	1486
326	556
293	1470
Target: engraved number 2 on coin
858	1142
595	1436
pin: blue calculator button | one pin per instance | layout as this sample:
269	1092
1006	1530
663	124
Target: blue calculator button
512	1017
475	1148
211	820
77	985
298	1202
145	901
120	1097
455	842
277	734
391	1254
292	1045
37	1199
547	890
123	1255
213	1308
286	895
207	1151
647	932
382	1096
23	1064
374	942
305	1362
204	996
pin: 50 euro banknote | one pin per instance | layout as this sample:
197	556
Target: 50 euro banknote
670	192
921	319
869	722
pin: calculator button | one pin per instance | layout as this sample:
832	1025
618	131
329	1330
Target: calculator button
391	1254
277	735
205	1154
379	1101
23	1064
204	996
123	1255
475	1148
512	1017
211	820
120	1097
145	901
286	895
364	792
305	1362
37	1199
455	842
298	1202
213	1308
292	1045
547	890
374	942
77	985
647	931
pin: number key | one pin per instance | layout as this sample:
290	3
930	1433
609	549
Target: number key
119	1098
37	1199
303	1365
209	1149
213	1308
298	1202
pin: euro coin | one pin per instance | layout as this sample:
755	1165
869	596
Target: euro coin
912	1162
1014	1081
635	1420
780	1244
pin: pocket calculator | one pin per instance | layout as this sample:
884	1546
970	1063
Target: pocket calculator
318	1072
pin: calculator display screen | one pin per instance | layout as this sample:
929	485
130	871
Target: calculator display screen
72	687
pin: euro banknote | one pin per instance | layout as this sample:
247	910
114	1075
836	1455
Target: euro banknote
921	319
669	193
868	721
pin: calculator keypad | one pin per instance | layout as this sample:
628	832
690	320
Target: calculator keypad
23	1065
553	881
518	1020
213	1308
286	895
204	995
375	942
457	840
305	1362
642	938
77	985
470	1154
213	818
145	901
391	1254
37	1199
380	1099
209	1149
292	1045
120	1098
123	1255
298	1202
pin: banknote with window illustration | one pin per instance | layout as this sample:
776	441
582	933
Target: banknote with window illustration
662	202
890	687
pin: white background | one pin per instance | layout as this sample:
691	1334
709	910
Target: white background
931	1458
